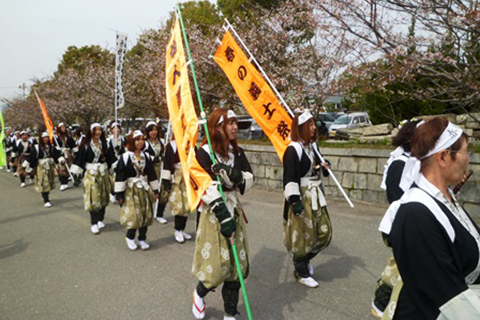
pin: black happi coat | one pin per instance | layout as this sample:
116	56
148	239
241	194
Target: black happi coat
39	152
69	143
86	155
20	149
126	169
171	158
114	152
240	163
294	169
151	151
393	179
433	268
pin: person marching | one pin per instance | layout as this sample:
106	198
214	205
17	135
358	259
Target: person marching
43	158
92	158
13	157
177	191
22	150
435	242
307	226
116	147
66	145
155	147
136	187
8	147
398	176
78	136
213	262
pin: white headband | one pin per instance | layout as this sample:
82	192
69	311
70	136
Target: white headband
45	134
230	114
137	133
23	132
95	125
150	123
61	124
115	124
449	136
304	117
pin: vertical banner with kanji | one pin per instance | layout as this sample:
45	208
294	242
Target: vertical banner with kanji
46	118
255	93
183	117
3	156
119	58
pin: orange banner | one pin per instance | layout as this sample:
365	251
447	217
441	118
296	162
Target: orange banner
46	118
255	93
183	117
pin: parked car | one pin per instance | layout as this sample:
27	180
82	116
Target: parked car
351	120
326	118
248	129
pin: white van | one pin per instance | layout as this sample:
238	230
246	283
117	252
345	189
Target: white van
350	120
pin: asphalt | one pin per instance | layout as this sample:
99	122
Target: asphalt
52	267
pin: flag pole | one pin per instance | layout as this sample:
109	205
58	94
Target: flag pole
229	26
205	126
56	142
115	90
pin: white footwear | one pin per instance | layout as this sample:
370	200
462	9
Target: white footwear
47	204
186	236
161	220
179	236
100	225
30	181
94	229
9	170
198	307
22	185
113	199
131	244
63	187
15	174
308	282
310	269
143	245
228	318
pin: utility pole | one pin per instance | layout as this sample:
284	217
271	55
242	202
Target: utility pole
23	86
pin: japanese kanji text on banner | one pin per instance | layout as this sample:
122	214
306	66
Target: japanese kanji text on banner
119	58
255	93
183	117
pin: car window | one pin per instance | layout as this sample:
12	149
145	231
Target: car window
343	119
242	125
329	118
355	120
362	119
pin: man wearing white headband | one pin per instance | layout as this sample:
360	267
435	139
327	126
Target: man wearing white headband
434	241
22	149
93	159
305	211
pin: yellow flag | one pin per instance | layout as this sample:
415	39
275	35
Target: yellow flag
255	93
183	117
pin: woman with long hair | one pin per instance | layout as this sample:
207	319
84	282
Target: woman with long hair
93	160
42	159
435	242
136	187
116	147
174	185
155	147
213	262
66	145
306	225
398	176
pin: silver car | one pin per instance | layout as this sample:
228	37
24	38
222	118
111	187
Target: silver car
350	120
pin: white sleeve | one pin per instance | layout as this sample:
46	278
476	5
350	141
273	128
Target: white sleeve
465	305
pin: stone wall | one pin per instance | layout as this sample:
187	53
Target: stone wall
359	171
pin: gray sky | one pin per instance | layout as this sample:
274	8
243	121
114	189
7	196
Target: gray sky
35	33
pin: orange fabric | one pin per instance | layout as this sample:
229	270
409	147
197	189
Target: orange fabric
255	93
46	118
183	117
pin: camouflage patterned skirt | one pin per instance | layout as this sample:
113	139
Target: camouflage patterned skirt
45	178
163	197
178	197
311	232
213	261
137	210
96	184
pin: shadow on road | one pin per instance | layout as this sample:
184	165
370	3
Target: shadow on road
14	248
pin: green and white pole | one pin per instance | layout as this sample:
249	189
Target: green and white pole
204	118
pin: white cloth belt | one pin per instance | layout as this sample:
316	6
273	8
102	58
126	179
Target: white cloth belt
313	186
45	162
177	165
141	182
96	167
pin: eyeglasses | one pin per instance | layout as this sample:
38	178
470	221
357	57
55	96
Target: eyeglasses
469	152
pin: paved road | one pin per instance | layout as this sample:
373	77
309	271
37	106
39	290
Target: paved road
52	267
